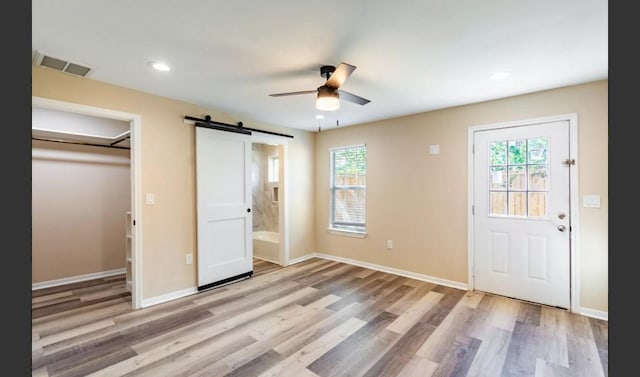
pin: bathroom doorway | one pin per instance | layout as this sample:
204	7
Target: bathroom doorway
269	204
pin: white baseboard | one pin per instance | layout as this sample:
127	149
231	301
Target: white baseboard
267	259
430	279
303	258
190	291
168	297
595	313
76	279
394	271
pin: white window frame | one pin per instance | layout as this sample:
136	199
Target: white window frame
333	229
273	169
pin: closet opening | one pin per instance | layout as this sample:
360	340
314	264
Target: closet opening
84	212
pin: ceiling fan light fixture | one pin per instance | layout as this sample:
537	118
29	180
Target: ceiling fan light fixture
328	99
329	95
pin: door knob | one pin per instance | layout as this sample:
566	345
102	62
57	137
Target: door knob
248	209
562	228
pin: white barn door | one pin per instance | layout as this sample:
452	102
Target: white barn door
224	219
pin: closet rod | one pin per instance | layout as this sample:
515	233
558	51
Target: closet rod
79	143
120	140
239	128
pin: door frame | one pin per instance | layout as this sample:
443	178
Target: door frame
283	201
572	118
135	122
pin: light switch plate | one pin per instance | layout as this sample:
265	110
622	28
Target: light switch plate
150	198
434	149
591	201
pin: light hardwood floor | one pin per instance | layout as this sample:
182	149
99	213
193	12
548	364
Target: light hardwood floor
315	318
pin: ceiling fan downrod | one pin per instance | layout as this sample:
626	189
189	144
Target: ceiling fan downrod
326	71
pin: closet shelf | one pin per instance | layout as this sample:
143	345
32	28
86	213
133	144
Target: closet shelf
128	247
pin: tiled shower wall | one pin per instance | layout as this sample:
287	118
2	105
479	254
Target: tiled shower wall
265	210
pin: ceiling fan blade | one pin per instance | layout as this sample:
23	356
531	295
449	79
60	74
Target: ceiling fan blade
352	98
340	75
293	93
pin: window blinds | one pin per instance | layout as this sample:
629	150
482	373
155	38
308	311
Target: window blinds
348	188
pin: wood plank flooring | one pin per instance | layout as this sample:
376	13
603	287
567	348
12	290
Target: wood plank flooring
315	318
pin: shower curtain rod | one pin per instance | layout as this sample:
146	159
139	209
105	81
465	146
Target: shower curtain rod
237	128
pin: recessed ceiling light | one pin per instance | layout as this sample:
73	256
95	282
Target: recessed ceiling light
319	116
160	66
500	75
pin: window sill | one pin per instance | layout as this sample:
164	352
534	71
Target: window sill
347	233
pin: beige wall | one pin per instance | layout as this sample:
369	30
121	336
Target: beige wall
420	200
168	170
79	198
427	220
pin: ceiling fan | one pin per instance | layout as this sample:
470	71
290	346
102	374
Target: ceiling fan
329	94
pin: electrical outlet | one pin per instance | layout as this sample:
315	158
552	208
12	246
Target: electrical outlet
389	244
189	258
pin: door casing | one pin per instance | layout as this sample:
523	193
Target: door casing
573	196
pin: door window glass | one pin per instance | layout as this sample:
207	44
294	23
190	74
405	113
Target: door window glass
518	179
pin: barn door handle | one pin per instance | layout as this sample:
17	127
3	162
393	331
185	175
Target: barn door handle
562	228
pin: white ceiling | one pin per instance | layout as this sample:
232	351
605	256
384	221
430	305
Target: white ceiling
411	56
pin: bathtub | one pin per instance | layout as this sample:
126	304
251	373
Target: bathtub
266	245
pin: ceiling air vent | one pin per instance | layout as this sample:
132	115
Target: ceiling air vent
61	65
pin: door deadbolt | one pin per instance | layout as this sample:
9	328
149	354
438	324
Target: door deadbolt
561	216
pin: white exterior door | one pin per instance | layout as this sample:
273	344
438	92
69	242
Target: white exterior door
223	184
521	220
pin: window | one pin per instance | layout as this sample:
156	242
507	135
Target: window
518	179
273	169
348	188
